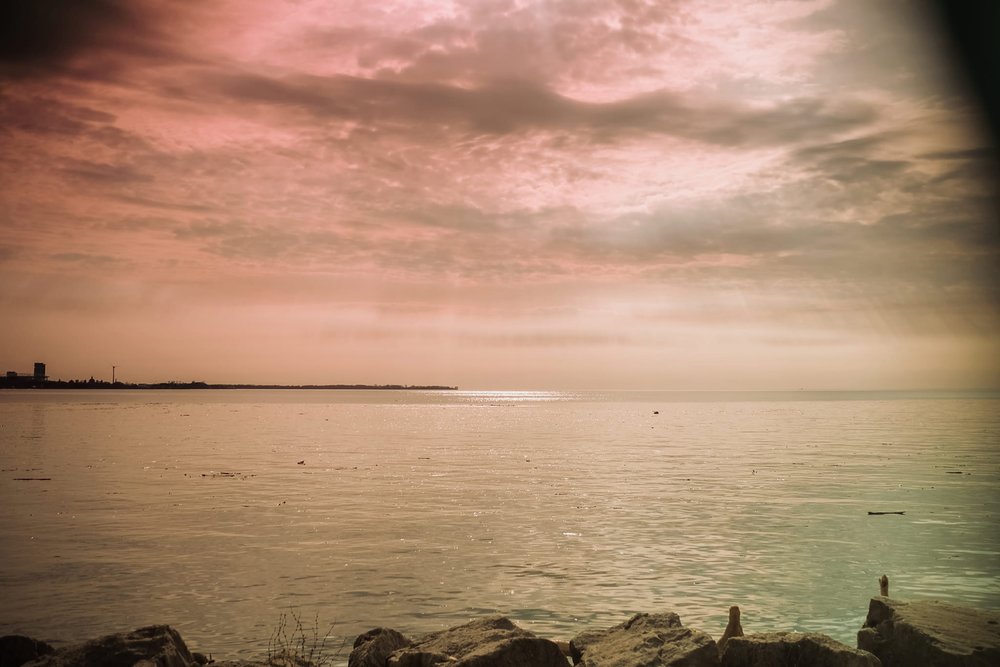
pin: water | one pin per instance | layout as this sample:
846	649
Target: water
419	511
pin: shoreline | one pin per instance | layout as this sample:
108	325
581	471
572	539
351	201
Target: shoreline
895	633
101	385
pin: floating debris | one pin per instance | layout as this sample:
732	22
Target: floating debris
882	513
236	475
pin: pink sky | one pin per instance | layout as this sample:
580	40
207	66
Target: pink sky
495	194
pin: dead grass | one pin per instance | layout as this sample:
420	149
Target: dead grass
292	644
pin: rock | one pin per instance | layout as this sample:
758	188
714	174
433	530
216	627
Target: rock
488	642
645	639
928	632
15	650
790	649
375	646
156	645
733	629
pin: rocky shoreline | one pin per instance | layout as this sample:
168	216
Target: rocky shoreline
896	633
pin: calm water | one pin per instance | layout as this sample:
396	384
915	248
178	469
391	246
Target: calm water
420	510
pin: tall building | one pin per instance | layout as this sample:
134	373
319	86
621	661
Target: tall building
40	371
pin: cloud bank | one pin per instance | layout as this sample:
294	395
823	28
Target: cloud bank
496	194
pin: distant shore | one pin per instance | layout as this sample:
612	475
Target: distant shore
29	383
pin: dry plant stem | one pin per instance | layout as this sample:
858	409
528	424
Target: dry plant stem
298	646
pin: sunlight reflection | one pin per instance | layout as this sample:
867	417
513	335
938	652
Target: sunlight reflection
509	397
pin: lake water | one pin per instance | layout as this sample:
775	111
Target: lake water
215	511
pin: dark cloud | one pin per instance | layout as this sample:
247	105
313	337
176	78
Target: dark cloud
138	224
98	173
790	122
799	233
28	118
510	106
89	39
675	236
847	169
263	242
854	147
210	229
941	228
8	253
242	241
43	115
150	202
50	31
908	39
981	153
464	218
87	259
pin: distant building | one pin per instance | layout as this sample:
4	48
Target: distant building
15	380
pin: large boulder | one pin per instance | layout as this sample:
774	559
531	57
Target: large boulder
645	639
929	632
156	645
374	647
488	642
790	649
15	650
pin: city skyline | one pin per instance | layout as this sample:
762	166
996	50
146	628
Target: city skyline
497	195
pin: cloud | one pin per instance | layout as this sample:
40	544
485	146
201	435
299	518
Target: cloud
519	106
87	259
43	115
81	38
98	173
979	153
7	253
523	176
586	50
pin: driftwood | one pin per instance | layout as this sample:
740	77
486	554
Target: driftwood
881	513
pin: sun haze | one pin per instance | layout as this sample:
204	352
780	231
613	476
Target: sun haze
495	194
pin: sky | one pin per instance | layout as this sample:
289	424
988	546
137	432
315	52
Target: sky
495	194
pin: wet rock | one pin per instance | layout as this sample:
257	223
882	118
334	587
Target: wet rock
929	632
790	649
374	647
158	645
488	642
645	639
15	650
